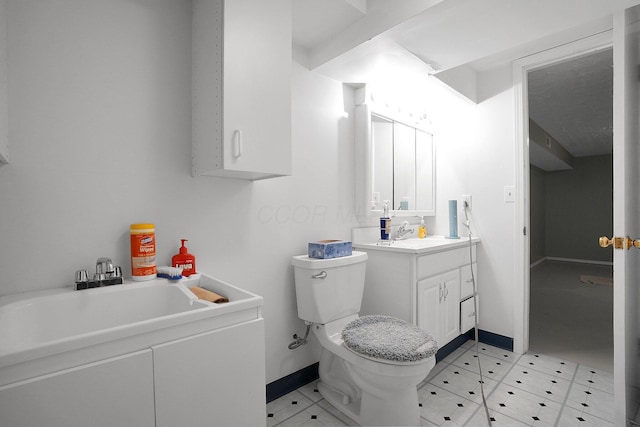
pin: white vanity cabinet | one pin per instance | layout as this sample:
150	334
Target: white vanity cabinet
189	363
241	120
423	286
212	378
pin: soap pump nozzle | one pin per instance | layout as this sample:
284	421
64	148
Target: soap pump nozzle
183	248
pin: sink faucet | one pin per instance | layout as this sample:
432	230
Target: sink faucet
106	275
104	268
403	231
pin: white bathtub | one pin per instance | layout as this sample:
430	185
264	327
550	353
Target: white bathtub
138	335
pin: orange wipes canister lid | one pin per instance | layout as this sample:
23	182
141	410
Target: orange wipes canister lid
138	228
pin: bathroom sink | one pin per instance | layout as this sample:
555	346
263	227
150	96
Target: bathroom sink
47	322
416	245
130	352
427	242
49	318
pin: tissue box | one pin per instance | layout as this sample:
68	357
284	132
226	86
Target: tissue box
325	249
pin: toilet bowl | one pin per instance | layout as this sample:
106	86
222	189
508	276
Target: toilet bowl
376	385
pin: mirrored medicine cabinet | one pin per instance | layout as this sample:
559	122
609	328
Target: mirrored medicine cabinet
395	161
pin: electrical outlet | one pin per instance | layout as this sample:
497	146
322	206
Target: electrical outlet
376	198
466	198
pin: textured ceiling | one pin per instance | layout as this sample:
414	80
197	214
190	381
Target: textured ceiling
573	102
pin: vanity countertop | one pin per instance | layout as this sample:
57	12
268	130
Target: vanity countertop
430	244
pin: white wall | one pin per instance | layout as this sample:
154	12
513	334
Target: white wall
100	122
100	128
453	118
476	155
492	167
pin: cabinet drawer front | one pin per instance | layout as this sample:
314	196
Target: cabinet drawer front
466	280
432	264
467	315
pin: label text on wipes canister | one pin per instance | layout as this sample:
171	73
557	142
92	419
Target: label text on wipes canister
143	254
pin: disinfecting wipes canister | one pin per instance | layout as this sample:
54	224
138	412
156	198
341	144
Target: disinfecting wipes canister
143	252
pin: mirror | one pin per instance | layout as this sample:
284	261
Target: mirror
395	161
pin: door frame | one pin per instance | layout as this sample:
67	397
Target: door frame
521	68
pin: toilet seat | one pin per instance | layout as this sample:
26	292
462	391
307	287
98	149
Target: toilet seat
388	339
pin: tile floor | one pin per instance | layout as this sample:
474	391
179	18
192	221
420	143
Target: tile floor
521	390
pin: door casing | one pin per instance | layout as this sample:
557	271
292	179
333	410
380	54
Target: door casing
521	68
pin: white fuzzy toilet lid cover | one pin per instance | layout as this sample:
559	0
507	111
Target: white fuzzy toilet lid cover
388	338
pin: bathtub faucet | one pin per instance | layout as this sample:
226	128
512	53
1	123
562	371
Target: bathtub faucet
106	275
104	267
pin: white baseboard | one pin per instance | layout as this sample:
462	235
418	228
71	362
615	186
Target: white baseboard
538	262
580	261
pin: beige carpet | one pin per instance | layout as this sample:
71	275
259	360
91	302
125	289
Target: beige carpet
571	318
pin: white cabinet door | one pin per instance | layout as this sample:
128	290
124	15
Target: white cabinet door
113	392
242	88
450	306
257	85
439	306
429	297
212	379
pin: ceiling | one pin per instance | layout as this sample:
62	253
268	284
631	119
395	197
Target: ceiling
572	101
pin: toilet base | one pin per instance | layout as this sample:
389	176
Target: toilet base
367	399
351	409
381	411
374	411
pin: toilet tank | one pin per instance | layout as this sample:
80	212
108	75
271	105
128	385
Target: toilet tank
329	289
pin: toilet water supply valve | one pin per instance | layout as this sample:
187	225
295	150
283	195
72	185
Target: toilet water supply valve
297	341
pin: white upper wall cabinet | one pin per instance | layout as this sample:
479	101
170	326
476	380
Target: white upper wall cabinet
241	88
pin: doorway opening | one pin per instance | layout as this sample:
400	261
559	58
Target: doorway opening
570	105
521	69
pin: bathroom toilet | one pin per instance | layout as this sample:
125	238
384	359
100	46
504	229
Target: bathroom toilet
370	366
